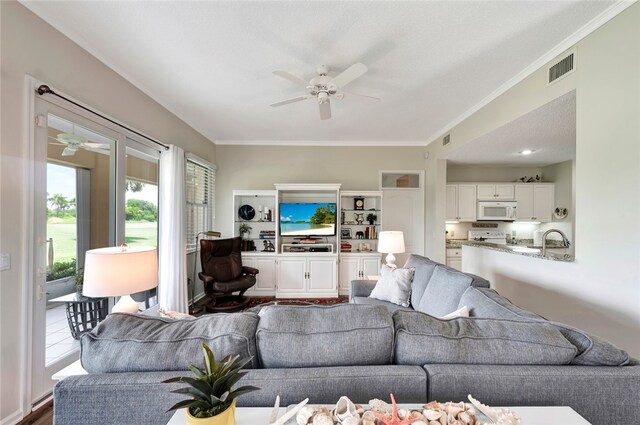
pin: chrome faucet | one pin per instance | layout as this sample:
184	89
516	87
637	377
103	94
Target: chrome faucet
565	241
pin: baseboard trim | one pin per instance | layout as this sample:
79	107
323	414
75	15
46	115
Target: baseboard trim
13	418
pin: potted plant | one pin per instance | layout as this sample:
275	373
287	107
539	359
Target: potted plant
79	278
244	228
371	218
212	401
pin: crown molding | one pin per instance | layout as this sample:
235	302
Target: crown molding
569	42
379	143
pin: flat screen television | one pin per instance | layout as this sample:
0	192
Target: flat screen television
307	219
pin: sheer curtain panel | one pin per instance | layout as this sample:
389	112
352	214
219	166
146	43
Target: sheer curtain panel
172	261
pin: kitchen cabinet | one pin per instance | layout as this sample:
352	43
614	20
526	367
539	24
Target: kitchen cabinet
308	276
356	266
454	258
535	201
266	278
461	202
495	192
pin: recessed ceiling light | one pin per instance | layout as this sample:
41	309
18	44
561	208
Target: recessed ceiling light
526	152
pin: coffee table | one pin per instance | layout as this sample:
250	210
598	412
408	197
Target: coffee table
530	415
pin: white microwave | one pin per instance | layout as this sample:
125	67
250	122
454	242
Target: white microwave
497	211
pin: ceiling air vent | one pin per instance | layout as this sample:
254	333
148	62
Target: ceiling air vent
446	139
561	68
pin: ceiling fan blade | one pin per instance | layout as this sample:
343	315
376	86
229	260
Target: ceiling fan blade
95	145
349	74
69	151
360	95
289	76
325	110
292	100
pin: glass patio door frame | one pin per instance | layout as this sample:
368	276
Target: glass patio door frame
41	383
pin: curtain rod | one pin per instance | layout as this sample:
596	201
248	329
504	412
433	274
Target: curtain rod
44	89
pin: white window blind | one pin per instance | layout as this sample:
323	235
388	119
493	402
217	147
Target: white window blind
200	195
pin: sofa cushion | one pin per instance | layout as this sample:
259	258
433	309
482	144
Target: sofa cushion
325	385
444	291
488	304
592	350
424	269
136	343
422	339
394	285
372	301
314	336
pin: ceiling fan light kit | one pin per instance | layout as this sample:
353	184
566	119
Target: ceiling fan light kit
323	88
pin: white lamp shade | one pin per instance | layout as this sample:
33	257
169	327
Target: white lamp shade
118	271
391	242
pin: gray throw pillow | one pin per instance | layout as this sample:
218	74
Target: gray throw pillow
394	285
444	291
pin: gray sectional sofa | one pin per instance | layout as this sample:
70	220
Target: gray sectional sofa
502	355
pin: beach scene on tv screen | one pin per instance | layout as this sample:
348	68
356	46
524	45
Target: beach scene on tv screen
307	219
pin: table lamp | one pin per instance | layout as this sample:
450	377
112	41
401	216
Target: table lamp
211	233
391	242
120	271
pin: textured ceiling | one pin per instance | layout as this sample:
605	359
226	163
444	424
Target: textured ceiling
549	130
210	63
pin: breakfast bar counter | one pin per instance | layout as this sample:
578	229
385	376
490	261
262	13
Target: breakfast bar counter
554	254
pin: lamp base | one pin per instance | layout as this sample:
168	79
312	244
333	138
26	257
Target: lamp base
126	304
391	260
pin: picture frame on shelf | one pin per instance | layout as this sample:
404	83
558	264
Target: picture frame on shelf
345	233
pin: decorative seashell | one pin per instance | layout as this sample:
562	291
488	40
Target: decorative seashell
432	405
434	423
359	409
432	415
368	422
418	415
345	409
404	413
322	419
351	420
454	409
420	423
368	415
380	406
304	415
467	418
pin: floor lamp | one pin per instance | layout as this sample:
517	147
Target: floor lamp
192	307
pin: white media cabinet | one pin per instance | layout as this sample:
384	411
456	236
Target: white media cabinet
295	269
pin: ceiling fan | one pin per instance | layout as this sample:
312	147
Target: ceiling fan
323	87
73	142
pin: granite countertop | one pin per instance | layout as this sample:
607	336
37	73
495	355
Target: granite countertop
554	253
454	243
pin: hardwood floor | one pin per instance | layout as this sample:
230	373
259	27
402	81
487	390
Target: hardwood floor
42	416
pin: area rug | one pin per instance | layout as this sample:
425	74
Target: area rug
296	301
256	302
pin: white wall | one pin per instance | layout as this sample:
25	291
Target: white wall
603	284
259	167
30	46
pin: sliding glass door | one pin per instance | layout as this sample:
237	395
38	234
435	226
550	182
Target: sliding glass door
94	187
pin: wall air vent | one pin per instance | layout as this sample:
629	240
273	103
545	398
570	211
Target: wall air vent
561	68
446	139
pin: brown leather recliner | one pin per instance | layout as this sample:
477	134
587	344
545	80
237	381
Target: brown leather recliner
223	273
